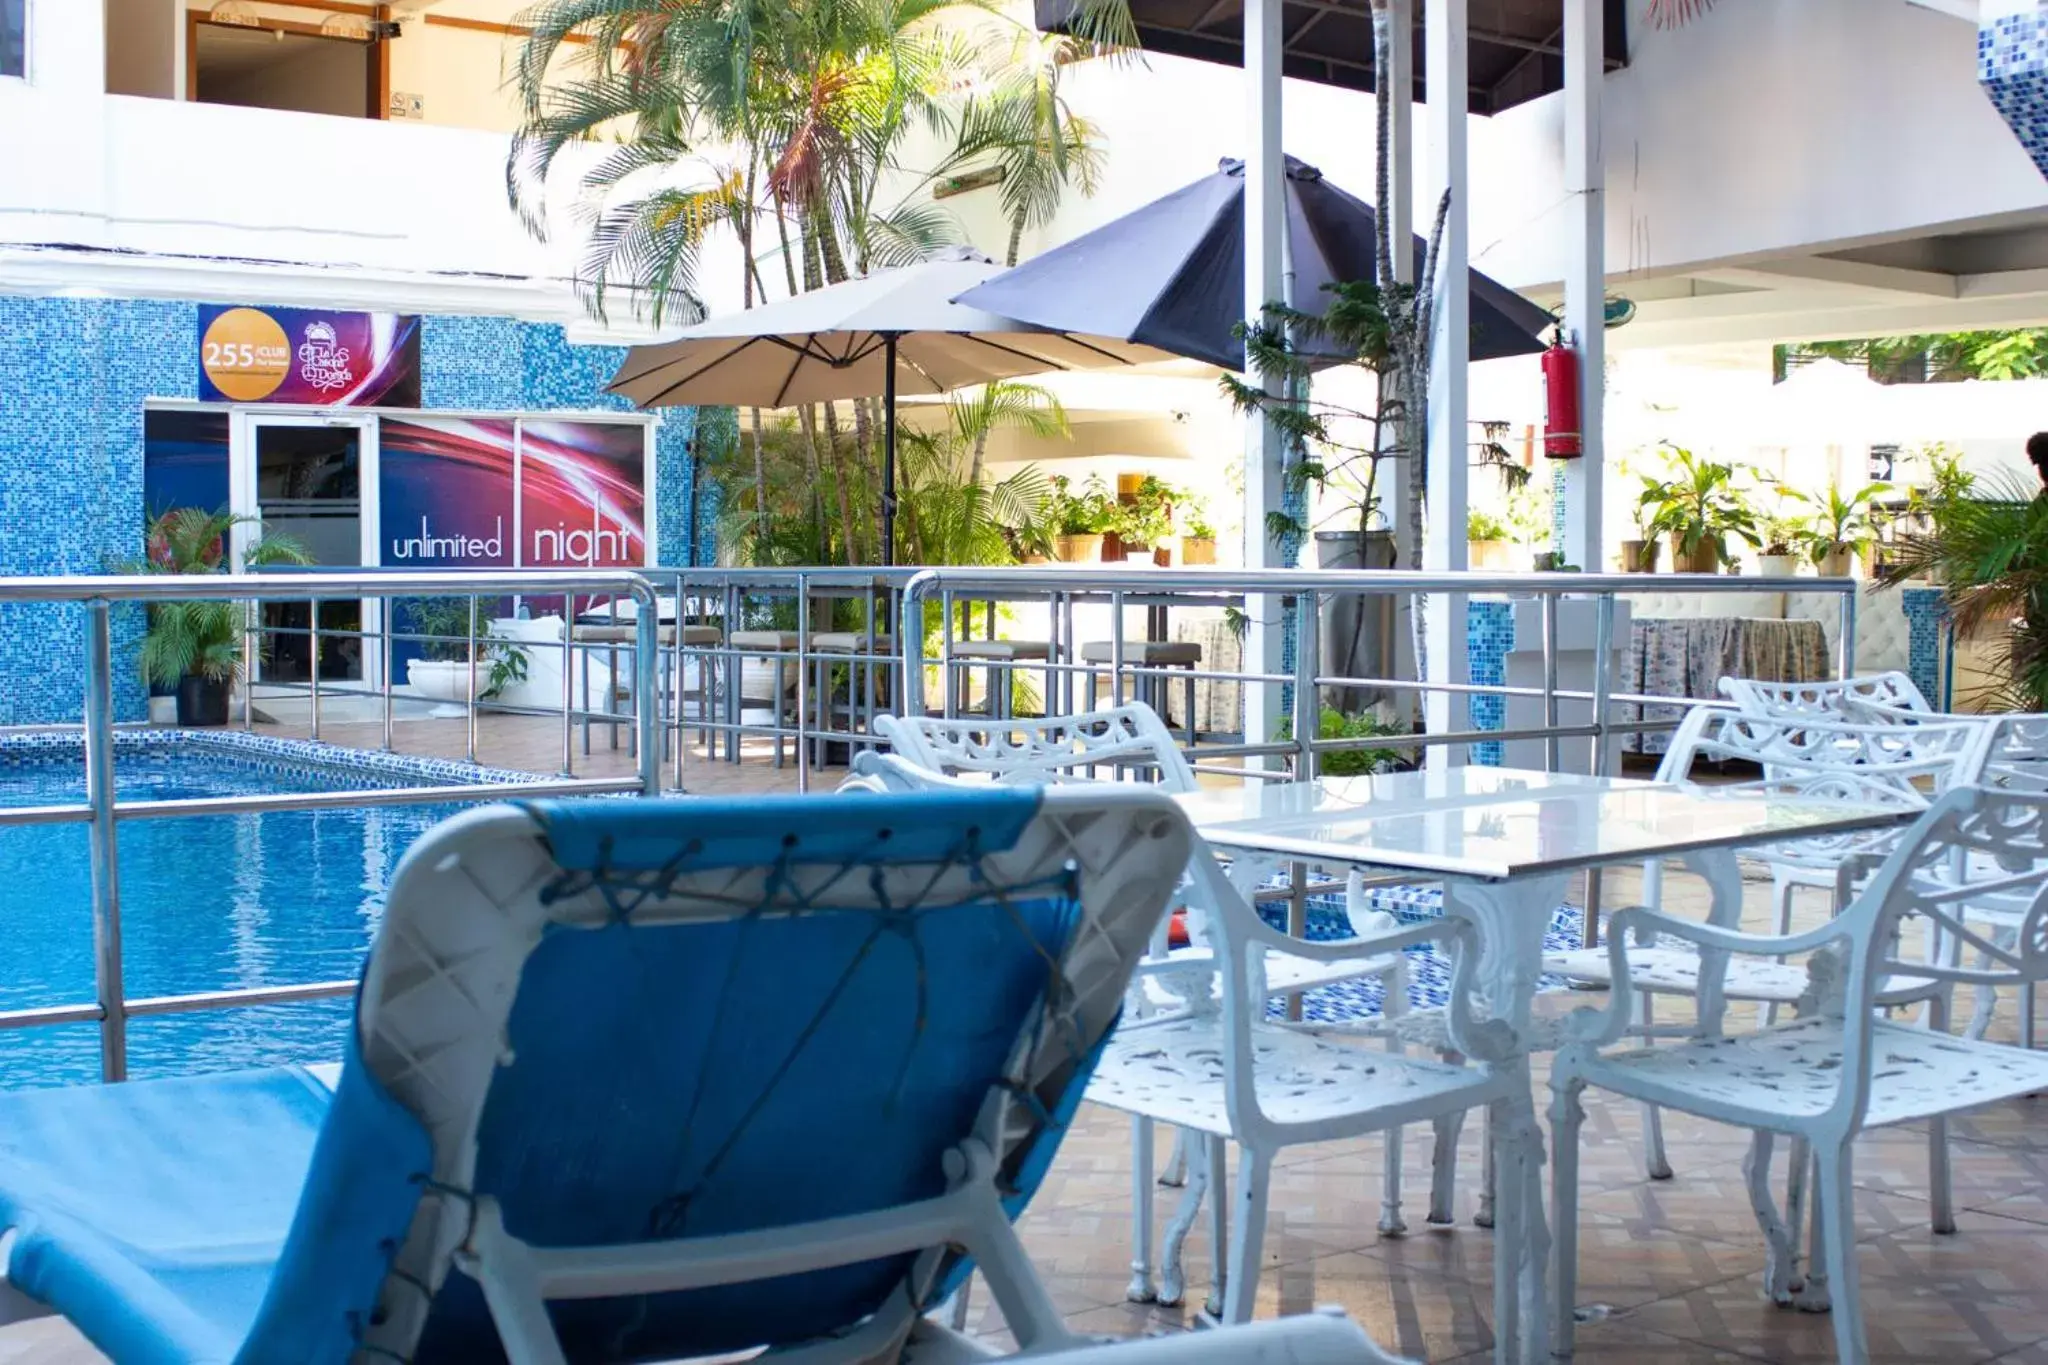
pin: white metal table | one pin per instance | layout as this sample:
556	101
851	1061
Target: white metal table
1505	843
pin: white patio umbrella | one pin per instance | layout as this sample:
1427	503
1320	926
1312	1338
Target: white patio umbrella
890	332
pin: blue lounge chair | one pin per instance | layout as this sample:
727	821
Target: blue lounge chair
638	1081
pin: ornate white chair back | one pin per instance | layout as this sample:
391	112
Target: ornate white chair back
1081	747
1893	691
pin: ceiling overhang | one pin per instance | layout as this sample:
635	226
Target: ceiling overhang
1516	53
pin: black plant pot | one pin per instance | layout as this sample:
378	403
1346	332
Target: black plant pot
202	701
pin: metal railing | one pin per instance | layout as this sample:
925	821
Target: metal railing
737	598
103	811
1306	589
792	599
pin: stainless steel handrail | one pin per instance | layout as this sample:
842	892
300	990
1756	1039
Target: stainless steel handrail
725	594
899	596
1307	587
103	811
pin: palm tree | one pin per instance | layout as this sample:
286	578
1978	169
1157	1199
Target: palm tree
1990	553
947	516
1024	129
201	639
817	98
1672	13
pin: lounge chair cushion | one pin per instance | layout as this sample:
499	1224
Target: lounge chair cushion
154	1213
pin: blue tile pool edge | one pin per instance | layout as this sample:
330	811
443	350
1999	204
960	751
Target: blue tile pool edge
266	753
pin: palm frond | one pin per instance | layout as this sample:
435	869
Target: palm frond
1674	13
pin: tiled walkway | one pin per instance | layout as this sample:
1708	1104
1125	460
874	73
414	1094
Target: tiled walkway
1673	1266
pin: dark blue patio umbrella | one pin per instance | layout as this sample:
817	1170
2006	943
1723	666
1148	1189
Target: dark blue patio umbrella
1171	274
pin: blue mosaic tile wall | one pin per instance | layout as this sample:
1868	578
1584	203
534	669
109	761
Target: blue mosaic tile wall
1489	636
73	377
1558	495
1927	631
2012	66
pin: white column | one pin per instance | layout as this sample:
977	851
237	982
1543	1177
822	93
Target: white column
1400	154
1264	223
1585	274
1451	354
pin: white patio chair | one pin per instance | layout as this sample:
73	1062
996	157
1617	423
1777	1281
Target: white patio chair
1821	700
1124	739
1879	699
1808	759
1839	1068
2012	757
1224	1070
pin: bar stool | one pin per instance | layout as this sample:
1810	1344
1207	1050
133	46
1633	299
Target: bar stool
1149	688
862	676
994	652
617	638
781	646
706	692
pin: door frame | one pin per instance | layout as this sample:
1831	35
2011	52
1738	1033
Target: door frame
243	501
377	89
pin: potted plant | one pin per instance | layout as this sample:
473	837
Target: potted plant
1778	555
1842	530
1198	539
1143	519
1988	548
1640	555
1080	520
1489	539
442	670
1948	484
196	647
1698	509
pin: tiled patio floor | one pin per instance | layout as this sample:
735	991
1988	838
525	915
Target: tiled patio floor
1674	1264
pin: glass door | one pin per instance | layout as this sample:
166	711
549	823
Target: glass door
303	477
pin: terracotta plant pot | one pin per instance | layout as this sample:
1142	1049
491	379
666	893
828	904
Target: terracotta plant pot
1706	559
1197	550
1077	549
1490	555
1639	556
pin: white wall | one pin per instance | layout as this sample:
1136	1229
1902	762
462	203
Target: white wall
1764	127
350	212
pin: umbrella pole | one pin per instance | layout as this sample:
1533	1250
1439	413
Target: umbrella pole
889	449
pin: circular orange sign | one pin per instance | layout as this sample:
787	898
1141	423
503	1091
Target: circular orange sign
246	354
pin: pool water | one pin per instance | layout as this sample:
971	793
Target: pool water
207	903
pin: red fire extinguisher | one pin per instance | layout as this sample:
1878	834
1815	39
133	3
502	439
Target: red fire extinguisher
1561	437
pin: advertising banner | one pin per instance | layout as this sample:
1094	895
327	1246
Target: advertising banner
316	357
184	460
445	492
583	501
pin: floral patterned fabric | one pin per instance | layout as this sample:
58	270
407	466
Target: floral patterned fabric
1688	658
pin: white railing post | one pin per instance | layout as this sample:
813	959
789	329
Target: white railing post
1448	455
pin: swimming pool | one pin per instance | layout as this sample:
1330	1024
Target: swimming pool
211	902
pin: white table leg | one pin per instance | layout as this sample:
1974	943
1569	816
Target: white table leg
1511	918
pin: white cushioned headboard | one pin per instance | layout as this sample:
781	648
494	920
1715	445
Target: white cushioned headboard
1882	641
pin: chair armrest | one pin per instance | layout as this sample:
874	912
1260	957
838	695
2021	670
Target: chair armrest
1641	918
1362	945
1637	925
